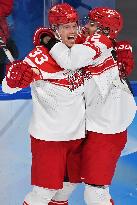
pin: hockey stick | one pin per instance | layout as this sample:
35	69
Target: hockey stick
6	50
9	55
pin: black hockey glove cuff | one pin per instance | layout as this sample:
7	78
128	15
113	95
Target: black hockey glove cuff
50	43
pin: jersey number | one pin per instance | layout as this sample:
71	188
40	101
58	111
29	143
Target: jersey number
40	58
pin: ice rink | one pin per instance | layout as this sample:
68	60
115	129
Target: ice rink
15	157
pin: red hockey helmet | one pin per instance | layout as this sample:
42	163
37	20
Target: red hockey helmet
107	19
39	32
62	14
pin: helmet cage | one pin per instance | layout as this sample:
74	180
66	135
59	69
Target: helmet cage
109	21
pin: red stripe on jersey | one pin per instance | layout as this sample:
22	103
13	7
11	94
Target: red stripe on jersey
42	59
62	82
72	82
108	63
95	48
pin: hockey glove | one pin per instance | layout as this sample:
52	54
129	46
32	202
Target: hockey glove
124	57
50	43
19	74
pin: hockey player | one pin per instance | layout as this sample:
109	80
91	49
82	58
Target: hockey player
5	37
110	106
57	126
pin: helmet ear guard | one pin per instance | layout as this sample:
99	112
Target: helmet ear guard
54	27
106	31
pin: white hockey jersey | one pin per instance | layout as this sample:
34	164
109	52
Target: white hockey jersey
58	103
110	106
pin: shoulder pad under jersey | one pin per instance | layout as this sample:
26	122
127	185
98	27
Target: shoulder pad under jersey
41	58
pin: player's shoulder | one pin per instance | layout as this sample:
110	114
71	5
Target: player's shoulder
40	49
106	41
40	53
101	39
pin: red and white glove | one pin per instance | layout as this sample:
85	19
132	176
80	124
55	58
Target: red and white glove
45	36
124	57
19	74
40	33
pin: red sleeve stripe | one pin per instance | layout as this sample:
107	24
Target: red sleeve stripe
95	48
100	68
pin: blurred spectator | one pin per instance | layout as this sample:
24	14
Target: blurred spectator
6	7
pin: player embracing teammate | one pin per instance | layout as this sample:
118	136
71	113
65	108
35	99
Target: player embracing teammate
110	106
86	87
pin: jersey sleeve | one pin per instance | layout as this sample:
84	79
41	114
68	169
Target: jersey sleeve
40	58
81	55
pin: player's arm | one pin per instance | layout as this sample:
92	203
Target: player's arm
59	51
124	57
77	57
18	75
80	55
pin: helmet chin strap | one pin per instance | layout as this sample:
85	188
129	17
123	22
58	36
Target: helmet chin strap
79	29
57	35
